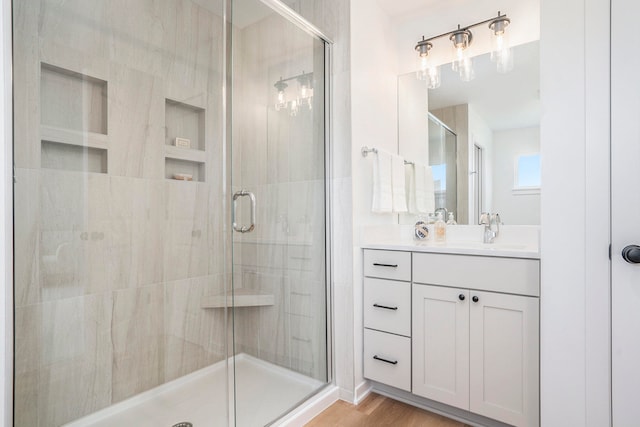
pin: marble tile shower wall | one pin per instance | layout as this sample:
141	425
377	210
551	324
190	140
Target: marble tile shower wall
284	167
111	267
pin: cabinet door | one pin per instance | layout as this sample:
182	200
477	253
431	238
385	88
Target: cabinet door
440	332
504	357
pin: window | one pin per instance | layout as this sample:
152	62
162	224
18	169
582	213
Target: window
527	174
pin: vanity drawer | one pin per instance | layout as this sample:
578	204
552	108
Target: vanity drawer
395	265
387	306
387	359
509	275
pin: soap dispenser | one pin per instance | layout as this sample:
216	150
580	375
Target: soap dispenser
451	220
440	229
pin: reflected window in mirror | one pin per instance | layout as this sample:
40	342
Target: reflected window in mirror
527	174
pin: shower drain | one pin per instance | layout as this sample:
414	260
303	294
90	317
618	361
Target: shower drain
183	424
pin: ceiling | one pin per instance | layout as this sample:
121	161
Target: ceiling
394	8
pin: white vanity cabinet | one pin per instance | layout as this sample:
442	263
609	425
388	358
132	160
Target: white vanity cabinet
475	349
387	317
457	329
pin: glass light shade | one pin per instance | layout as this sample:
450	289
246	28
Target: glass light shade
504	61
428	72
280	101
500	47
465	70
304	91
294	106
461	40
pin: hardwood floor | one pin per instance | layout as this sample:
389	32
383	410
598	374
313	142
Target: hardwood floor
376	410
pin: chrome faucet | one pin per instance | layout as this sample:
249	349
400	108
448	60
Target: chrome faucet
444	213
488	220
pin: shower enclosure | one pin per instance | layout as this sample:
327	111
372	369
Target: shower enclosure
444	164
170	212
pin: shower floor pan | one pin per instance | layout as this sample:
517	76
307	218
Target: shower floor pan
264	392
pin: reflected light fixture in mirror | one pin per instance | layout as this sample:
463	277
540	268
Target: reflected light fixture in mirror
462	61
302	98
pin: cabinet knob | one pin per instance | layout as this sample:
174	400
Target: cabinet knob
631	254
461	297
475	299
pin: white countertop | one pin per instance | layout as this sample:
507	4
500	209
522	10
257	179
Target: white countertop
513	242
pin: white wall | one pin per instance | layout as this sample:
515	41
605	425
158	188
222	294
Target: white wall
6	220
574	131
514	208
374	123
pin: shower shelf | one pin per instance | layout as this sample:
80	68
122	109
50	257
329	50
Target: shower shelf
74	137
186	154
242	298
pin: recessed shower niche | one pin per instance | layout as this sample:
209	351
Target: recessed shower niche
184	141
73	119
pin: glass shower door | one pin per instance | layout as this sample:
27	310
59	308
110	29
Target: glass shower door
278	197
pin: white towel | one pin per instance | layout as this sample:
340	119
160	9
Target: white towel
398	184
424	193
429	190
382	200
410	185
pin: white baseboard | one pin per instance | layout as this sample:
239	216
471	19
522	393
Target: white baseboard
362	390
346	395
310	409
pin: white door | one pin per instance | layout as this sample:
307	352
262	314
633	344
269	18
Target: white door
625	213
503	349
441	344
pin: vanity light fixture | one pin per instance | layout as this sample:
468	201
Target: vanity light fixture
302	98
462	61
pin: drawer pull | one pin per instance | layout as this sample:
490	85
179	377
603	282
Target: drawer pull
385	307
377	264
393	362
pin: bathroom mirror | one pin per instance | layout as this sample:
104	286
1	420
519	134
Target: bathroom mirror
481	138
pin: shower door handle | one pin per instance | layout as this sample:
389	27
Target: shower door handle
252	198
